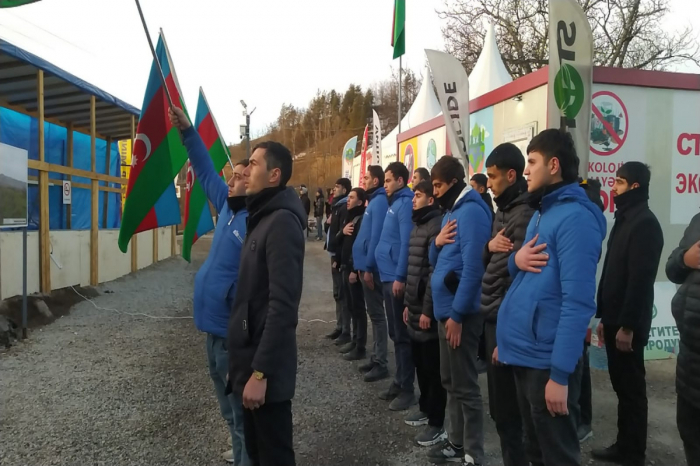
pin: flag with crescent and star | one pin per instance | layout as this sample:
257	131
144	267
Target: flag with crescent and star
157	157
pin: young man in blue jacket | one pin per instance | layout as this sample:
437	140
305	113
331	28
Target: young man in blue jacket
543	319
456	257
363	256
392	261
215	282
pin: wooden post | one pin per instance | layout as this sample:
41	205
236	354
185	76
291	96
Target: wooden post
94	203
134	243
44	240
105	202
69	162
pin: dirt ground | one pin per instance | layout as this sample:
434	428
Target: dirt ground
100	387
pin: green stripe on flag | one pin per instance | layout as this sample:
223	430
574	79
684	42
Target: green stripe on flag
198	202
399	39
14	3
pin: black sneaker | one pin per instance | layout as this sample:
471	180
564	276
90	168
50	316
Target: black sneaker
431	436
334	334
611	454
377	373
366	367
584	433
403	401
355	355
342	340
416	419
446	453
346	348
390	393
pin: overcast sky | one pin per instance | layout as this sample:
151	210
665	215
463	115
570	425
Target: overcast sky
266	52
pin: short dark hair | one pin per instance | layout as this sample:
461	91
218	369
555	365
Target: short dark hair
557	143
635	172
425	187
375	171
506	157
345	183
361	194
446	169
480	179
244	162
423	173
399	170
277	156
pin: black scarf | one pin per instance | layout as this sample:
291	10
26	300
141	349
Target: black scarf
258	200
371	191
355	212
511	193
447	201
536	200
631	198
419	215
236	203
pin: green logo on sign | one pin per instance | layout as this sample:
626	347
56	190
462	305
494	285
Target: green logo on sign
654	312
568	91
349	154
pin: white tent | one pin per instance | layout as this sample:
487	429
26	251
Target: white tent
489	73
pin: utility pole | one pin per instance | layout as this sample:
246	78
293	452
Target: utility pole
245	129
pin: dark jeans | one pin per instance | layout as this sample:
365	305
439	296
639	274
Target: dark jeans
550	440
688	420
405	371
585	401
460	377
374	298
339	301
355	310
269	434
433	397
319	227
503	404
628	378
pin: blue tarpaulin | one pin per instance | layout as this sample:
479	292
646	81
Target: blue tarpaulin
21	131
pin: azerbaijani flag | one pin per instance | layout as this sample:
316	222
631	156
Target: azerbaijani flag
158	156
198	219
14	3
398	30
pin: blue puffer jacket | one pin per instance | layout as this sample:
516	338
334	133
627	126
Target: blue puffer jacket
463	257
215	282
392	250
370	231
544	316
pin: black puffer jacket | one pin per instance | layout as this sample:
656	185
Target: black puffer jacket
686	310
514	216
418	297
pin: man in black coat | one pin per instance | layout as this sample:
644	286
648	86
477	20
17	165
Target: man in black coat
420	321
354	308
625	306
265	312
683	268
504	167
341	334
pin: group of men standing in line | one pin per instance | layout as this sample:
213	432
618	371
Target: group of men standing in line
449	281
435	268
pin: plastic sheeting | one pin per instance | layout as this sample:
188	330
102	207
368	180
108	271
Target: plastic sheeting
21	131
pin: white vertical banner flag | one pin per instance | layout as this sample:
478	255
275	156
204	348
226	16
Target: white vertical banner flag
452	83
570	75
348	155
377	140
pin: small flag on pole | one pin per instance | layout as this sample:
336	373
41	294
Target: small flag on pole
398	31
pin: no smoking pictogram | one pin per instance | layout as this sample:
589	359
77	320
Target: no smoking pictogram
609	123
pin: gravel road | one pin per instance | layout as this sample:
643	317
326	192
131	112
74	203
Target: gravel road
101	388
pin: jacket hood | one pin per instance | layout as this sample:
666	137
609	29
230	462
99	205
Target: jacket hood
403	192
470	195
574	193
286	199
378	192
340	200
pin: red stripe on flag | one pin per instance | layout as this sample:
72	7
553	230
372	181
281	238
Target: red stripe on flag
150	222
207	131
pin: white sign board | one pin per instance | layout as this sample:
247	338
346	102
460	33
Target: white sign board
67	193
13	187
685	157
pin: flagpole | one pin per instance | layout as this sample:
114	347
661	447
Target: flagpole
400	86
155	55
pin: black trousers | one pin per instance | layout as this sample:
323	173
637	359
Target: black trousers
550	441
503	403
269	434
433	397
688	420
586	398
339	300
354	309
628	378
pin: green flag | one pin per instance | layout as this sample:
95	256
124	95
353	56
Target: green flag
14	3
398	32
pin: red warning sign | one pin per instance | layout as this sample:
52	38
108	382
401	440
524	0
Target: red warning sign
609	123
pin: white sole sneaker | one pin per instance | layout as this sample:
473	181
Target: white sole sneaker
421	422
441	438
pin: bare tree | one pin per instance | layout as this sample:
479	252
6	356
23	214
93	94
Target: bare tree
627	33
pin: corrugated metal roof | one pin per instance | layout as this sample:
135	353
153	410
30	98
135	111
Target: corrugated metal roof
66	97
